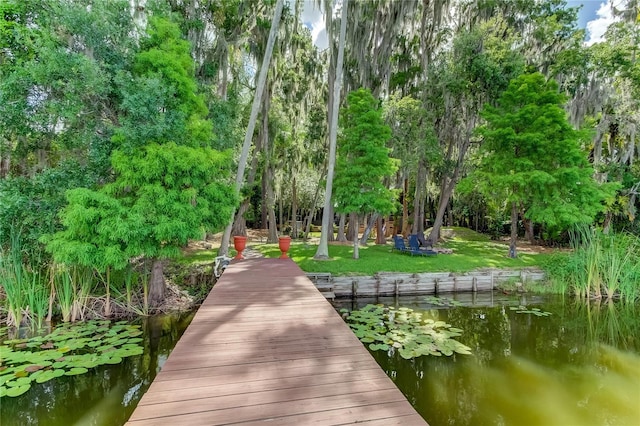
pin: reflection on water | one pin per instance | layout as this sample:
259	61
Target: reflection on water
106	395
579	366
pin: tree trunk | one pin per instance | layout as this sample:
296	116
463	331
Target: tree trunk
271	212
294	210
528	230
380	239
449	183
257	101
369	226
405	207
351	231
156	284
327	217
354	220
240	224
312	211
445	194
341	225
419	199
514	231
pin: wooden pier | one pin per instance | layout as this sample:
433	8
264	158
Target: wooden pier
267	348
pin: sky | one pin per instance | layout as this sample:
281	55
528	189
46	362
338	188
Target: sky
595	16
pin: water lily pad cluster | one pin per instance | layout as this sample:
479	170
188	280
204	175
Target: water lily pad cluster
442	301
69	350
404	330
533	311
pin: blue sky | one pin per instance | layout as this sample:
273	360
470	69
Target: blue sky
588	11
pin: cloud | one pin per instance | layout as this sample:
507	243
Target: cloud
314	20
598	27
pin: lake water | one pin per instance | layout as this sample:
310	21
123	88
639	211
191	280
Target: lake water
579	366
106	395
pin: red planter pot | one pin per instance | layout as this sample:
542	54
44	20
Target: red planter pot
284	243
239	243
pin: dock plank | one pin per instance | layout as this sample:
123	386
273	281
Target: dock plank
266	347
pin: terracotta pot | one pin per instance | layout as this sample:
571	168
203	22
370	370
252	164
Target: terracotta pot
239	243
284	243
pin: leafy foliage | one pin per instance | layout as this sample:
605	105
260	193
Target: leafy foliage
67	351
363	160
405	330
165	191
533	155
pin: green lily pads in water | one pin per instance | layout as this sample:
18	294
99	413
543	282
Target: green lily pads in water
533	311
406	331
71	349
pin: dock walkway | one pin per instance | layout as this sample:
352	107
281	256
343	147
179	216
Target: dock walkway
267	348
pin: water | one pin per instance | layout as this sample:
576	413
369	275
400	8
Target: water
104	396
580	366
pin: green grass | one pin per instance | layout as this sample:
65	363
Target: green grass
471	251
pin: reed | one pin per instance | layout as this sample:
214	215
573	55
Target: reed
37	300
65	289
13	276
605	265
85	281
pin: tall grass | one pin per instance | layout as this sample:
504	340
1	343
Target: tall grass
13	277
65	289
37	299
85	281
601	265
26	294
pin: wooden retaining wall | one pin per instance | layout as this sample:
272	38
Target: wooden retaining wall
401	284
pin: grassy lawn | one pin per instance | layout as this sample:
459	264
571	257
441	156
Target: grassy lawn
470	251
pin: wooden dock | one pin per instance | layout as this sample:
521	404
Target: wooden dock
267	348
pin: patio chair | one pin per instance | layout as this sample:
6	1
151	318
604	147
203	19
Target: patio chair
414	246
398	244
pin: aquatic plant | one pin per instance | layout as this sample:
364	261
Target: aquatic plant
533	311
606	263
69	350
404	330
442	301
64	289
36	298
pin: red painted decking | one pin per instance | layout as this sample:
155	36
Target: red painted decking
267	348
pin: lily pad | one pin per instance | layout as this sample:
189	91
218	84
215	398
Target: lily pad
71	349
407	331
17	391
76	370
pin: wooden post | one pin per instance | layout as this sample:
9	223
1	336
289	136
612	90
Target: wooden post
435	286
474	284
395	287
354	289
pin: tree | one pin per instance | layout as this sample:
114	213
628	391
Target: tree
363	160
166	191
255	108
327	220
532	156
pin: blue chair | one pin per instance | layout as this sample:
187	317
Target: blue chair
414	246
398	244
